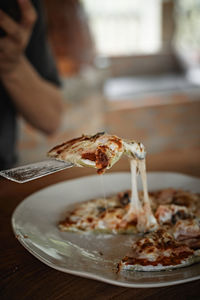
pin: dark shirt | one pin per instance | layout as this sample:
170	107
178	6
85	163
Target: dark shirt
40	56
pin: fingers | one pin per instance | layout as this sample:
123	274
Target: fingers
9	53
12	47
28	13
28	18
10	26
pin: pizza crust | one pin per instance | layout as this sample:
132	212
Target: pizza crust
195	258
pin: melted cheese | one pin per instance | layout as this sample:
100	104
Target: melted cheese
134	150
148	221
135	206
145	218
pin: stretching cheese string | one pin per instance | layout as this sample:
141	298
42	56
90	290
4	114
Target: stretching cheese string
145	218
135	205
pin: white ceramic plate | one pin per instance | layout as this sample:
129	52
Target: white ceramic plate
93	256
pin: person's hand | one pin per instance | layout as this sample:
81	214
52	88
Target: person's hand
13	45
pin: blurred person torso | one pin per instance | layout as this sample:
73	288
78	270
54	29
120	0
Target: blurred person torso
40	56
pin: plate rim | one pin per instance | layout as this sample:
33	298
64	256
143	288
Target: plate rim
89	275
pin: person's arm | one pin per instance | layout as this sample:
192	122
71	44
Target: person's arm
38	100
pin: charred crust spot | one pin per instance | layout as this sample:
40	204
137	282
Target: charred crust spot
150	250
59	151
65	145
146	245
97	135
160	233
57	147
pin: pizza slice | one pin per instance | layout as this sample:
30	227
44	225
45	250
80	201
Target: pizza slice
100	151
158	251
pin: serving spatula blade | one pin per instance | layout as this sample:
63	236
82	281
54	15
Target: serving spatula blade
34	171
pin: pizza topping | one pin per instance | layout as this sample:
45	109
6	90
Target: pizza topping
171	213
102	160
89	155
124	199
187	229
182	198
165	196
188	199
101	209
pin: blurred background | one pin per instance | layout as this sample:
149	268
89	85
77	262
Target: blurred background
129	67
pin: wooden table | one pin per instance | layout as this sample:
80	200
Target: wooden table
25	277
